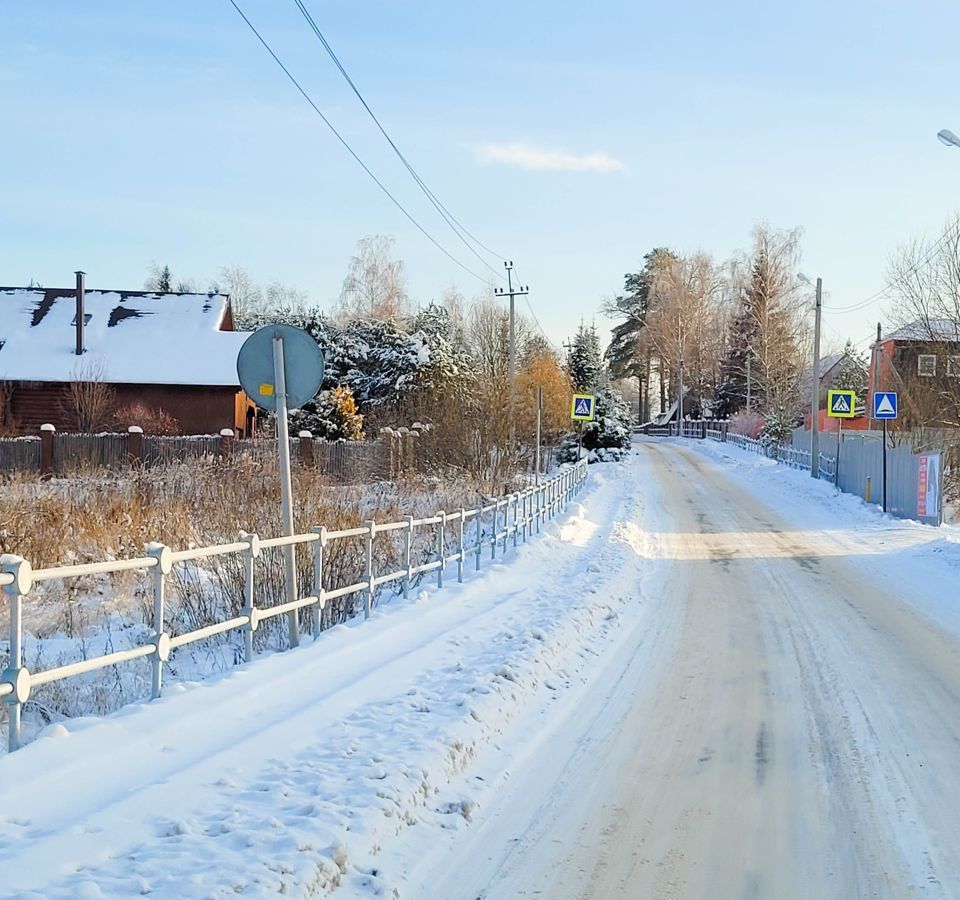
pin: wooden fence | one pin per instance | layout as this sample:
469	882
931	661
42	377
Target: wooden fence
392	454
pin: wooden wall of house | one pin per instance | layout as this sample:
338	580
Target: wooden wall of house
198	410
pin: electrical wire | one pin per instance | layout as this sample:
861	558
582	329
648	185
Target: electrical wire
458	229
886	288
536	321
351	151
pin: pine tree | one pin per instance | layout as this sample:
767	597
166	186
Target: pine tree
624	354
583	360
853	374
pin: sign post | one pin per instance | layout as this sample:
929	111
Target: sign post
582	409
885	407
840	405
281	368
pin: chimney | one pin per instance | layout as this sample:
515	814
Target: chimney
80	321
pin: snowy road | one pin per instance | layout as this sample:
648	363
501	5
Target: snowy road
786	723
711	677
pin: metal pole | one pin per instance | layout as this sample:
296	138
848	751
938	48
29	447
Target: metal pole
815	398
479	533
884	465
461	557
836	474
441	547
408	558
286	489
371	585
317	611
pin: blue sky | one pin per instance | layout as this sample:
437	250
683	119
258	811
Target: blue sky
161	131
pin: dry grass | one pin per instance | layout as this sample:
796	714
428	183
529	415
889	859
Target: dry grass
102	516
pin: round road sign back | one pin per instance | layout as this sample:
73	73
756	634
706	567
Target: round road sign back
302	366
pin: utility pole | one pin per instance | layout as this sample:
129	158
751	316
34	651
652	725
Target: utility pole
511	293
536	478
815	399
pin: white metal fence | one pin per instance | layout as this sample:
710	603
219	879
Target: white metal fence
505	521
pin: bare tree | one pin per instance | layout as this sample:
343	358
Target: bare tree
89	402
684	323
375	286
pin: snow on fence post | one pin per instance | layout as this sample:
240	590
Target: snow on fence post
249	555
368	597
16	675
441	549
479	532
47	433
496	525
226	443
516	520
162	567
316	611
463	552
134	446
408	558
506	525
306	450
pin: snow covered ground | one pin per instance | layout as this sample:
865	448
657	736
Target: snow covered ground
712	677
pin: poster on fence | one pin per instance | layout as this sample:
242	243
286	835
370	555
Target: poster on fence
928	488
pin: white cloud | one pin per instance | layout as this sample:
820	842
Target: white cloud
540	159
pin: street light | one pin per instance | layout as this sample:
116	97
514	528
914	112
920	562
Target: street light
948	137
815	387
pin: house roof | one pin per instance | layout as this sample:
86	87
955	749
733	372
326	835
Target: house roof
932	330
827	363
130	337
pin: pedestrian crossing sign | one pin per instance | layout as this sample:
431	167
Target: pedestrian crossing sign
841	404
581	409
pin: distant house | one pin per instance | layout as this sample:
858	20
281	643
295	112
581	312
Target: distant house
830	369
175	352
921	361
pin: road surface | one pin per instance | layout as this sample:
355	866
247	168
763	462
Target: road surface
783	724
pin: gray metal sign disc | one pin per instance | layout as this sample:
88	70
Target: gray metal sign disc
302	366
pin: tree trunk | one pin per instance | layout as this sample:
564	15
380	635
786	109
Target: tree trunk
646	391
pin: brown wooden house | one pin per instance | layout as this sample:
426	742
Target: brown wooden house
170	352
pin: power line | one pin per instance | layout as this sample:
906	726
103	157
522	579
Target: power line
536	321
350	149
886	288
458	229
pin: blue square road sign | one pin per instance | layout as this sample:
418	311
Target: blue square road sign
885	405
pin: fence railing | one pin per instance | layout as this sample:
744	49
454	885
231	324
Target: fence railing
794	457
511	518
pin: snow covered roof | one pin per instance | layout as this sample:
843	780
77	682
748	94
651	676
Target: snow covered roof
130	337
933	330
829	361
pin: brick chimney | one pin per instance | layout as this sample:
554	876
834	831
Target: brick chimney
80	316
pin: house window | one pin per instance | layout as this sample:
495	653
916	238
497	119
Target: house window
953	366
927	365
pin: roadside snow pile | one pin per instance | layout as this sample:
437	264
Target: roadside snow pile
282	776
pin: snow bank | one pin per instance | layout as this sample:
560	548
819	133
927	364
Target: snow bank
283	775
